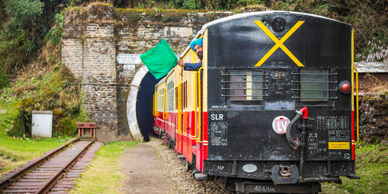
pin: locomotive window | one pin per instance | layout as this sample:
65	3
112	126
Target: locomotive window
236	86
314	85
246	86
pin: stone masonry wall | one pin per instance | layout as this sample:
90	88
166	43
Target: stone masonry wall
374	119
99	72
72	56
140	36
96	34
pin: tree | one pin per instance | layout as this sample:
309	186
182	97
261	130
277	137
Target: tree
24	12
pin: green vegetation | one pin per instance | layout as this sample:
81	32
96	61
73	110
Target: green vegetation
52	88
33	78
17	151
103	175
371	166
42	82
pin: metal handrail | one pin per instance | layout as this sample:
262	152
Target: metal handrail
244	88
244	95
326	82
179	109
156	104
333	98
196	99
164	104
357	111
313	73
244	81
153	105
264	74
330	90
198	138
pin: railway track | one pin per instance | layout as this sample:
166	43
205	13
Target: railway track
53	172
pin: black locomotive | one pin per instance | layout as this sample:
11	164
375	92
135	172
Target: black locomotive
276	114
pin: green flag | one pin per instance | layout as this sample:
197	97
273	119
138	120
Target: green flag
160	59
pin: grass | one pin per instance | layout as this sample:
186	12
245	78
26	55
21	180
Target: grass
17	151
371	166
103	175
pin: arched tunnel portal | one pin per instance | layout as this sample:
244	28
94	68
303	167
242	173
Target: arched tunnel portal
139	104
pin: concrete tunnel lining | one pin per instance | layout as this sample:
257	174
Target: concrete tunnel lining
131	103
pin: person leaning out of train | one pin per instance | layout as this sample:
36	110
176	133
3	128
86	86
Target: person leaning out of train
197	46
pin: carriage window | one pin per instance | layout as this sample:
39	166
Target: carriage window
314	85
246	86
170	95
160	100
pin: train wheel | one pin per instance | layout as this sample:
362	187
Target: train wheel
188	166
170	145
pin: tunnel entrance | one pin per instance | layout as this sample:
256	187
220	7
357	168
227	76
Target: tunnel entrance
145	119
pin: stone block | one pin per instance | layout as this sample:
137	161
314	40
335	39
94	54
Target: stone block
384	142
100	12
178	31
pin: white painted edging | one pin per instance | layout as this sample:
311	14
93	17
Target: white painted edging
131	102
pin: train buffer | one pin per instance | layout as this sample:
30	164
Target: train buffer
86	130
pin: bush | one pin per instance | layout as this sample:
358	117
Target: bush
3	77
22	124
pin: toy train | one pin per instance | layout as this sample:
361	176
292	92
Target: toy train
272	108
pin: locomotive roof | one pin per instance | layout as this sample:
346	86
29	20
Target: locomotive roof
244	15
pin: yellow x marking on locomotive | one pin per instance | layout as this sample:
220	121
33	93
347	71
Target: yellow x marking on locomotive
279	43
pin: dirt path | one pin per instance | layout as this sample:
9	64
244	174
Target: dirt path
144	172
153	168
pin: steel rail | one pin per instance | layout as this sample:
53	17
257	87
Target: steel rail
45	188
6	182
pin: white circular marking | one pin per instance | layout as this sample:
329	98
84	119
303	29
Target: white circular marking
249	168
280	124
